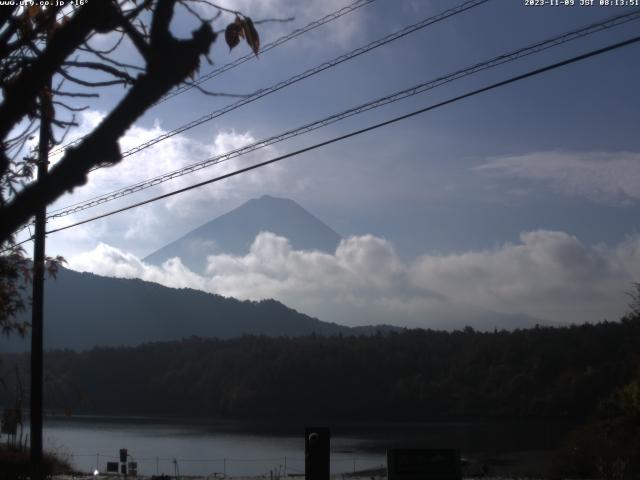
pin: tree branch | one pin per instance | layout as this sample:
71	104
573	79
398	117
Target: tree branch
95	51
105	58
75	94
166	68
102	67
69	107
65	40
136	38
86	83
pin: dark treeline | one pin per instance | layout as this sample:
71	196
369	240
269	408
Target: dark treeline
559	373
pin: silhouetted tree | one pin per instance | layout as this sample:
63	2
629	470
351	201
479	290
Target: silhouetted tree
43	44
405	376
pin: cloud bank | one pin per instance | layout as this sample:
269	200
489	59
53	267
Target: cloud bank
610	178
547	275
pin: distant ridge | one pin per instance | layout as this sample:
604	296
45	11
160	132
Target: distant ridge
84	310
233	232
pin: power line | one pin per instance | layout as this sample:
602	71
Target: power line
250	56
239	61
306	74
493	86
400	95
263	92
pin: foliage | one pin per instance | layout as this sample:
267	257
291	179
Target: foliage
50	65
634	305
15	277
15	464
546	373
608	446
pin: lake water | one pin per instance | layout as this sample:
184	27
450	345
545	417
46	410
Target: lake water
197	447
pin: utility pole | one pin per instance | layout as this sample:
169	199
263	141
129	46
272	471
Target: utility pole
37	310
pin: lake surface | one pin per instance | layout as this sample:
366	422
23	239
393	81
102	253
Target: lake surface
205	447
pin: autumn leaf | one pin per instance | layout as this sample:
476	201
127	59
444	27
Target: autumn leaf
232	34
251	35
240	24
53	264
33	10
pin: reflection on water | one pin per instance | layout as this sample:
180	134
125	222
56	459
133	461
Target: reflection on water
204	447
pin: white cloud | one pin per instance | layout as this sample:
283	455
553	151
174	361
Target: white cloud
111	261
612	178
547	275
147	225
171	154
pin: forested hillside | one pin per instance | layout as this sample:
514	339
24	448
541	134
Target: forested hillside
82	313
416	374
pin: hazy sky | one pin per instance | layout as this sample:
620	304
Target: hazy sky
521	200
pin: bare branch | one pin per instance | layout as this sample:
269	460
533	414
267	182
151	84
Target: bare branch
133	12
69	107
64	123
102	67
75	94
86	83
46	21
274	20
136	38
64	134
166	68
90	48
30	81
110	60
16	137
217	94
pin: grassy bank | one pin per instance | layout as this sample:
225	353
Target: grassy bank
14	463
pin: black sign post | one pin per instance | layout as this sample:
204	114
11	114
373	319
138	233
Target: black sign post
123	462
317	461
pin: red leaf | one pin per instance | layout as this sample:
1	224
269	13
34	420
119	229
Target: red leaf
33	10
251	35
232	34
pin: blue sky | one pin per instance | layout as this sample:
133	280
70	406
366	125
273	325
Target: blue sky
541	177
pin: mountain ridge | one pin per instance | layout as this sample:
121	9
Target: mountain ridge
83	310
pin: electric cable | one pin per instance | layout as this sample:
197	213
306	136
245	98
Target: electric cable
279	41
420	88
493	86
239	61
306	74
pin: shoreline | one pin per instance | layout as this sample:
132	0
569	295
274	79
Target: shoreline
532	464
